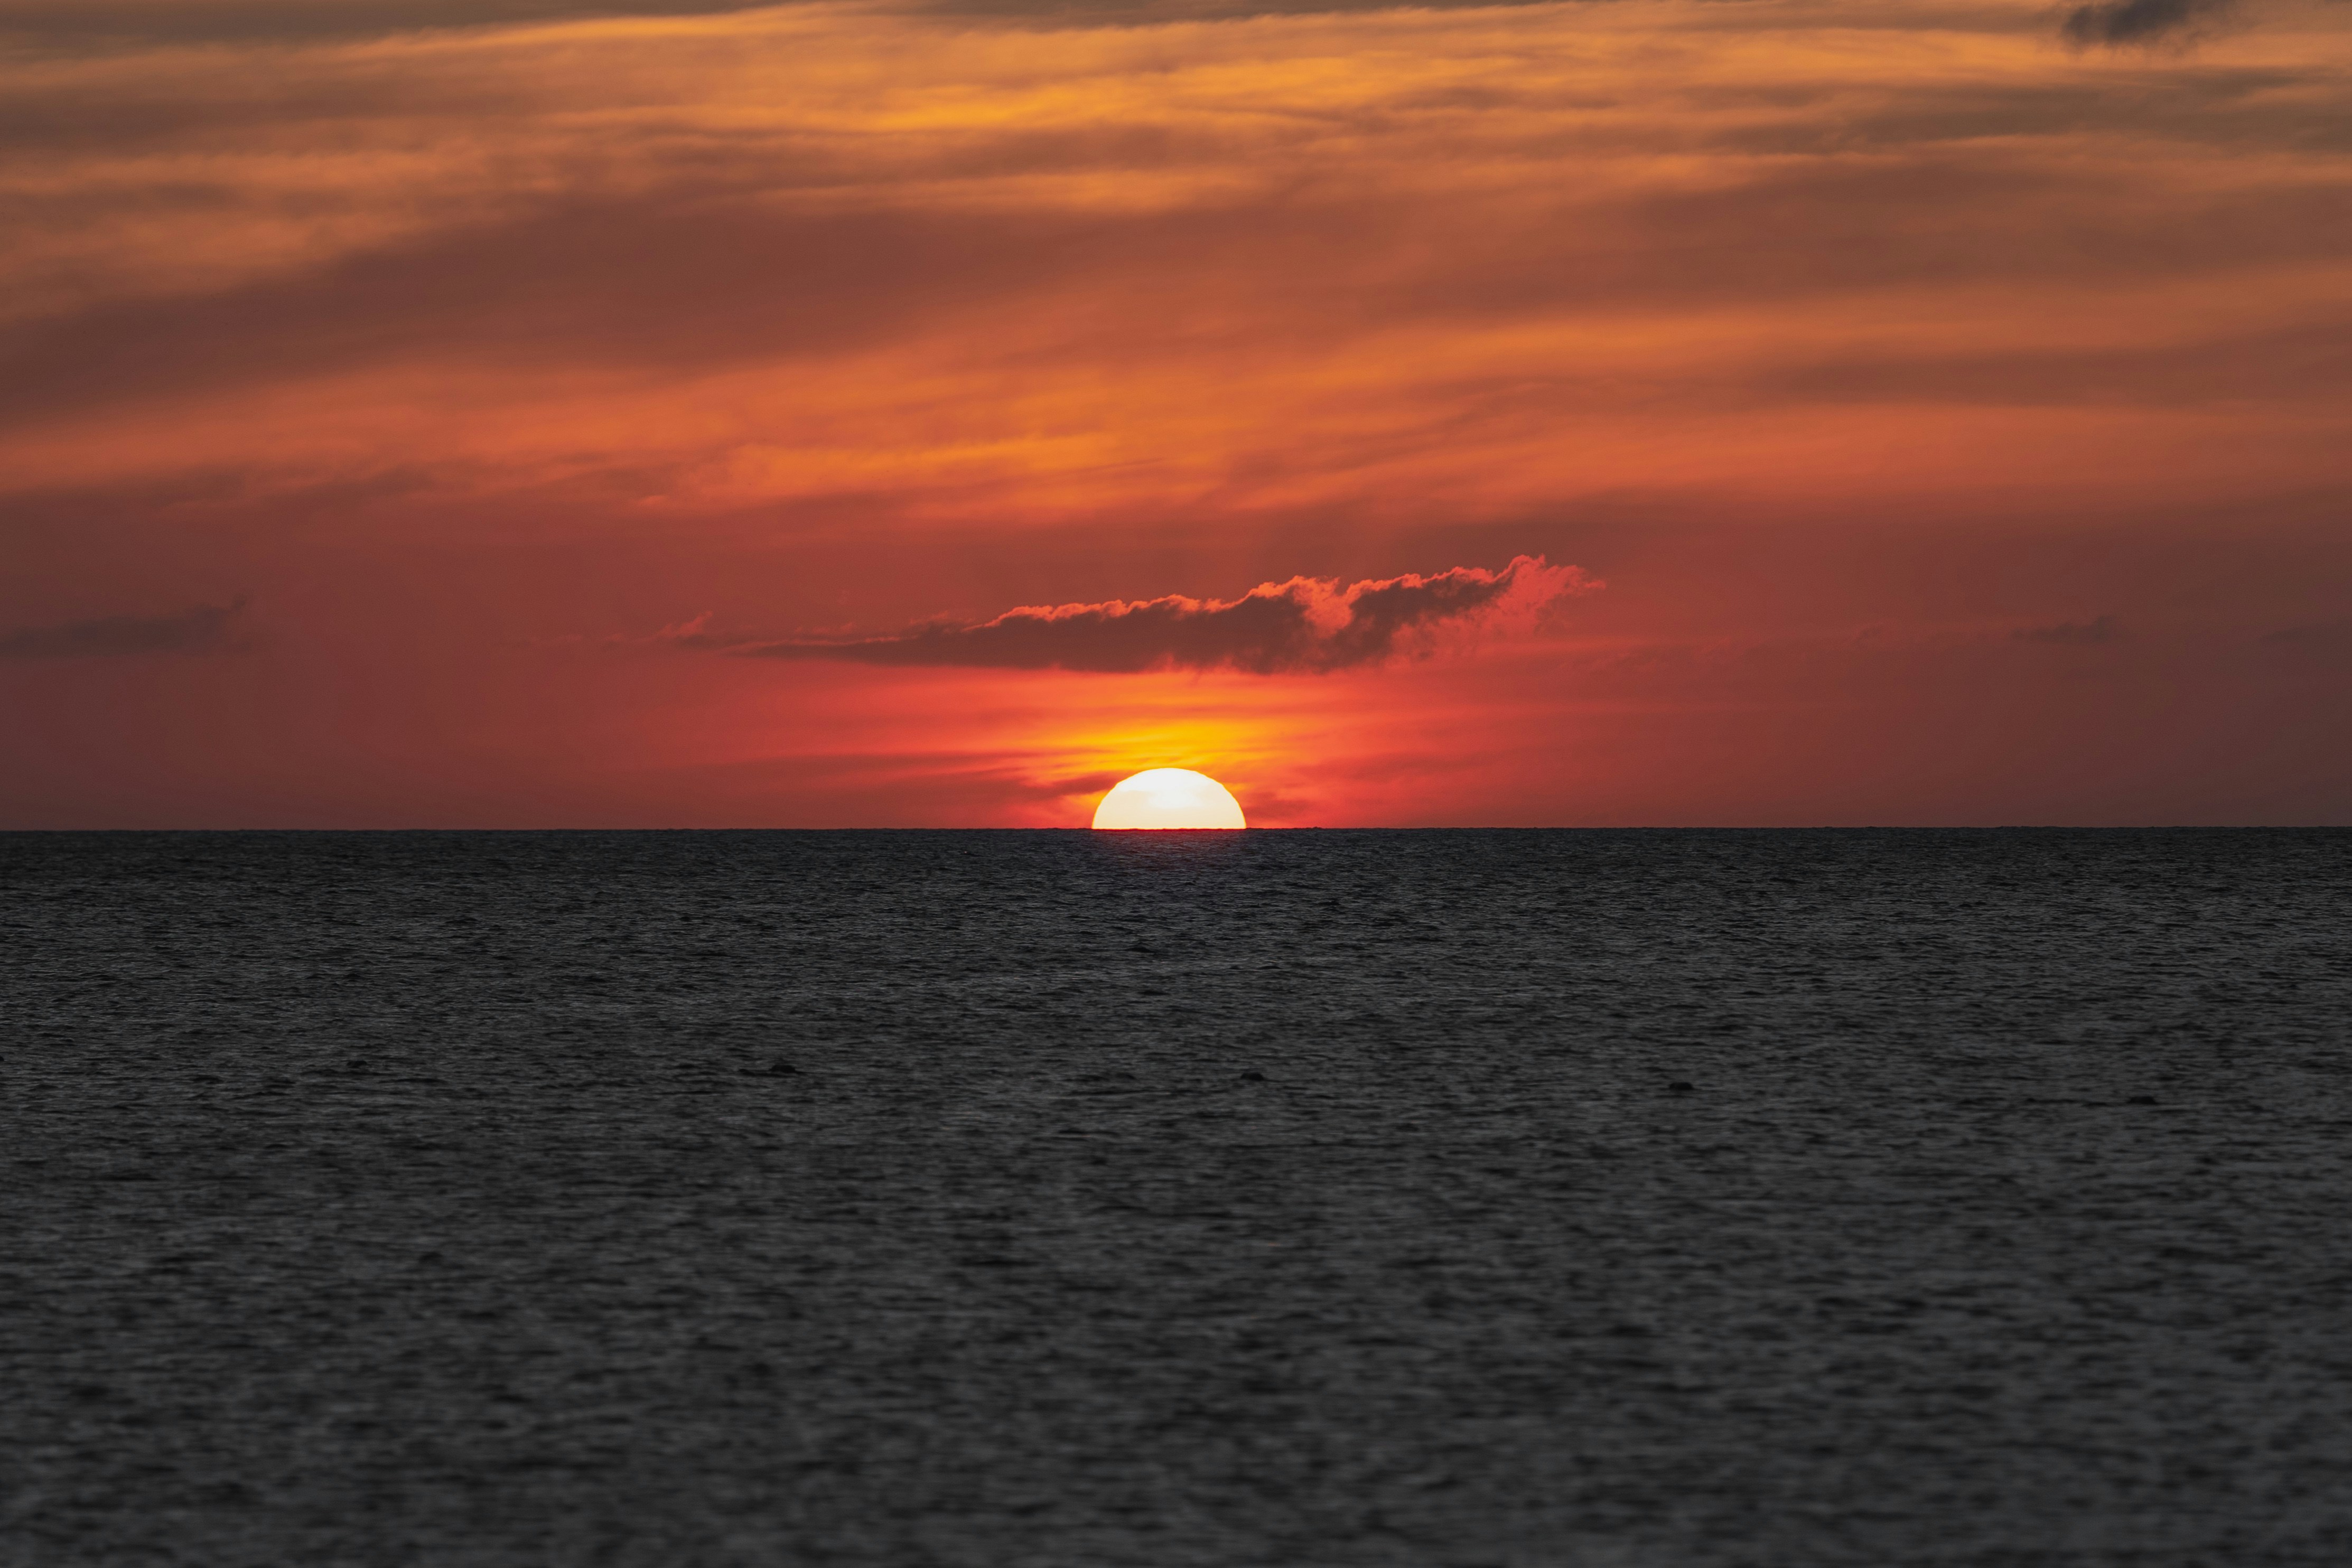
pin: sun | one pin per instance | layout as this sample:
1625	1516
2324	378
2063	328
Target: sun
1168	798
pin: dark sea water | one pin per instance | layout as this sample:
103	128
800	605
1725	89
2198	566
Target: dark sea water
1527	1198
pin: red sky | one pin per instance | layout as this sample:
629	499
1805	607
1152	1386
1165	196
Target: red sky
526	413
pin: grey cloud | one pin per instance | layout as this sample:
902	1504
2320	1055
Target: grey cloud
75	24
79	23
2072	634
2315	638
1306	624
2117	23
206	628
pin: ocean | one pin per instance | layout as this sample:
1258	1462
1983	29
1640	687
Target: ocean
1625	1199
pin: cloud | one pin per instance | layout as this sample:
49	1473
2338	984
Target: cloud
2072	634
1307	625
86	23
206	628
2120	22
2322	636
559	228
225	21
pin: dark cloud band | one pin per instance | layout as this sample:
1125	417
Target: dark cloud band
71	23
1304	626
207	628
234	21
2125	22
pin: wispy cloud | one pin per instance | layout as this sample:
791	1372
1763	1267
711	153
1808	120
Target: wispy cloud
1307	625
88	23
606	229
235	21
2117	23
206	628
2072	634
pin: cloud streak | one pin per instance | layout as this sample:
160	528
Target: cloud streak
206	628
2072	634
877	240
2121	22
222	21
1306	625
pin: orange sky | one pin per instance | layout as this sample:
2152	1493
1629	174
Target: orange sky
407	422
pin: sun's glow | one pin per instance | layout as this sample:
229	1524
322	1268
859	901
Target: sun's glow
1168	798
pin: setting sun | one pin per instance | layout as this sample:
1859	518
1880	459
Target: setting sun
1168	798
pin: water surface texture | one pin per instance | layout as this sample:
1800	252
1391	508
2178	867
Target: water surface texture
1515	1198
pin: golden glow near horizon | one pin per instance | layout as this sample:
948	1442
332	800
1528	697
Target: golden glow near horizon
1168	798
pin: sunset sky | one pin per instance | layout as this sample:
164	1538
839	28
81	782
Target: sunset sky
519	413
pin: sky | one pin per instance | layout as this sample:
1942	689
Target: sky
525	413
